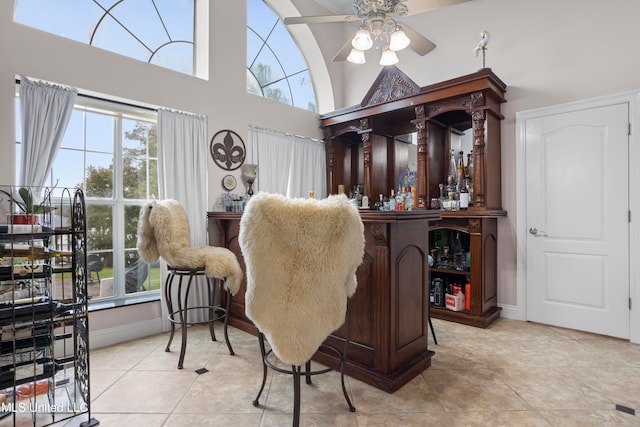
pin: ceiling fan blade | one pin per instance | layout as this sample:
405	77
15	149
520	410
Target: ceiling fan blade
344	52
318	19
419	44
415	7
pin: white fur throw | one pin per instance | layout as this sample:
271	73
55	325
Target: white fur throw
301	257
163	231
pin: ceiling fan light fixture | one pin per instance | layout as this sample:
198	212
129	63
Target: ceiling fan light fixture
398	40
388	57
356	56
362	40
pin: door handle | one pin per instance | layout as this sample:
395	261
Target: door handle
535	232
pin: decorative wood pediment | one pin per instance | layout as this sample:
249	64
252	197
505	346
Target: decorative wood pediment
391	84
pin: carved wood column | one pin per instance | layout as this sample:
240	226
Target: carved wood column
423	153
331	154
365	133
478	119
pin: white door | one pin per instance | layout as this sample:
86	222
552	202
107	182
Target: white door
577	217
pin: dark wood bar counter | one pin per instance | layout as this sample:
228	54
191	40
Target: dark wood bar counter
389	311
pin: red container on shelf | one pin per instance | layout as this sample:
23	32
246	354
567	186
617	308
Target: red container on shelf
467	297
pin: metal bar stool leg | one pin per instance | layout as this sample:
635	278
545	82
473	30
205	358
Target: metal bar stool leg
343	358
211	292
296	395
226	322
181	314
307	369
263	354
433	332
167	296
182	309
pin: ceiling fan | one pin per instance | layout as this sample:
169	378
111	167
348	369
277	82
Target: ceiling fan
379	25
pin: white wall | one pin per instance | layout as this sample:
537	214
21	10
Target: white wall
546	51
222	98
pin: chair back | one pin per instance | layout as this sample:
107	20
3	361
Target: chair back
301	257
163	230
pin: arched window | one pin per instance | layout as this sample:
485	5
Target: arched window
159	32
276	68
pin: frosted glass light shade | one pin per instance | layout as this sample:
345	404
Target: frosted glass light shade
398	40
388	57
362	40
356	56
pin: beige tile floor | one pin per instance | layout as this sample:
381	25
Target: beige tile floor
511	374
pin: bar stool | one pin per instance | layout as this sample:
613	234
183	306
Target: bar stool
271	360
301	258
163	231
216	312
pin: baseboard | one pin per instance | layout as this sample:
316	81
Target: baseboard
509	311
122	333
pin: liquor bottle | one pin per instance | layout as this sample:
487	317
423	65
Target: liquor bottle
378	206
470	165
458	253
410	199
392	201
385	204
464	195
438	292
400	200
405	199
453	168
460	172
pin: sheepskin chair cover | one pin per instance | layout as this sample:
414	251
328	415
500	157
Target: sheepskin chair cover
301	258
163	231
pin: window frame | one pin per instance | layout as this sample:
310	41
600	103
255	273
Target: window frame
279	53
102	16
117	111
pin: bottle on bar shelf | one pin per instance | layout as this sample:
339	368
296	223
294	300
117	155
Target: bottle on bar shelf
392	201
464	195
460	172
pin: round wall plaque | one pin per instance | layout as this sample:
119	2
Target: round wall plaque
227	150
229	182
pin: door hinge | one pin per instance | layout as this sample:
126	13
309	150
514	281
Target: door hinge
629	303
629	128
629	215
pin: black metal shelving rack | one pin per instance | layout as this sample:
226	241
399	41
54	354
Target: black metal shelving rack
44	329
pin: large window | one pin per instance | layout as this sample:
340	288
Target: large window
109	150
159	32
276	68
163	33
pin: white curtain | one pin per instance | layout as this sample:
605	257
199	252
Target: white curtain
182	176
287	164
45	112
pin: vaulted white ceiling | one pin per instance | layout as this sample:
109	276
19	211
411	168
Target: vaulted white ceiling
342	7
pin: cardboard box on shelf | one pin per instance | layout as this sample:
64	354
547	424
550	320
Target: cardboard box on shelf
455	302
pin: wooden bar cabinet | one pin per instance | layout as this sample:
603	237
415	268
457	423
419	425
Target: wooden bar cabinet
389	310
369	146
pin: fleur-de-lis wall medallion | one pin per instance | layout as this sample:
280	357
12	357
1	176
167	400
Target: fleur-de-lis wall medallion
227	150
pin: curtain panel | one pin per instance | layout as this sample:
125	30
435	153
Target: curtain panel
287	164
182	176
45	111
